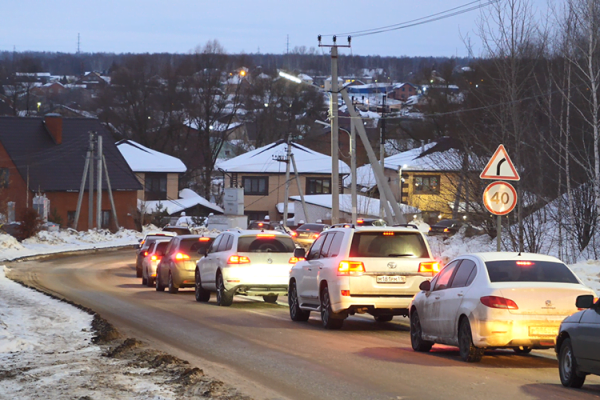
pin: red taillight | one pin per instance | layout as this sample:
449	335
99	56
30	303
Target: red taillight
345	293
446	230
429	228
260	224
203	239
155	258
315	236
351	268
294	233
265	235
360	221
142	243
294	260
238	260
388	233
499	302
145	254
432	267
181	256
525	263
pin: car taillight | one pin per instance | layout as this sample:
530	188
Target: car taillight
238	260
265	236
445	229
145	253
294	233
155	258
351	268
181	256
315	236
499	302
432	267
294	260
203	239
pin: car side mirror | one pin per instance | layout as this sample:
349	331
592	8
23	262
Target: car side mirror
425	285
584	301
299	253
205	252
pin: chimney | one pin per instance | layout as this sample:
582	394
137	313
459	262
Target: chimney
54	126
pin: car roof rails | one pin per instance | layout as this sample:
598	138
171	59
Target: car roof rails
407	226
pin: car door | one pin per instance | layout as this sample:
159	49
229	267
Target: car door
208	265
585	340
430	314
453	298
307	285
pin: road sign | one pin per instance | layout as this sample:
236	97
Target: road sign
500	198
500	167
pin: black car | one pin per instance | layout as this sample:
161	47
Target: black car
445	227
578	343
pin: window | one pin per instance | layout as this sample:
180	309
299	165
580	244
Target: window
258	244
156	186
429	184
315	248
378	244
71	218
465	274
443	281
106	219
336	243
318	185
215	244
326	244
529	271
4	177
256	185
226	243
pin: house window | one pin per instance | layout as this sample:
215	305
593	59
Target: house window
71	218
429	184
156	186
318	185
4	175
106	214
255	185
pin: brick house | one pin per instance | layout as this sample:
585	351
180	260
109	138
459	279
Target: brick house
46	155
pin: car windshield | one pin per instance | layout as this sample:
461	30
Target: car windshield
192	245
388	244
311	227
529	271
265	243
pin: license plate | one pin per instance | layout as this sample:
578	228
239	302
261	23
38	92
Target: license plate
543	331
391	279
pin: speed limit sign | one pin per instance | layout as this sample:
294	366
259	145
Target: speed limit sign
500	198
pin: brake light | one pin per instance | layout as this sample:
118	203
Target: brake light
445	229
294	233
265	235
203	239
142	243
432	267
388	233
315	236
181	256
261	224
294	260
145	253
499	302
524	263
429	228
155	258
238	260
360	221
345	293
351	268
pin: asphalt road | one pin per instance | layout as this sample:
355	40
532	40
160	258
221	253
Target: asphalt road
255	347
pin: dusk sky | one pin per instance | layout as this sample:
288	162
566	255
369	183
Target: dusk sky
178	26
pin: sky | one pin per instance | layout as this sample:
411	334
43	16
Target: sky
260	26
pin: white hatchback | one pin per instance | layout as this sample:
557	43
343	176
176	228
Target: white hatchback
495	300
371	269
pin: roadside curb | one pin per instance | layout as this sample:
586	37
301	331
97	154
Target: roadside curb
67	253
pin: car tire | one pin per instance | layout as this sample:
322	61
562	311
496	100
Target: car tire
567	366
270	299
159	286
383	318
416	334
172	288
224	298
328	317
522	350
468	352
202	295
149	280
296	313
144	279
138	271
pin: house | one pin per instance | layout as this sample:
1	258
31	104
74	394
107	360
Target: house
261	173
402	91
189	202
46	155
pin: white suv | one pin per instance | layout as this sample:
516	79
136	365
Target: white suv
375	270
249	262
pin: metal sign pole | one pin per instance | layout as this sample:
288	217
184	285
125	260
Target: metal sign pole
499	233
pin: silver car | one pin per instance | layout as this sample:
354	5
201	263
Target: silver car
155	253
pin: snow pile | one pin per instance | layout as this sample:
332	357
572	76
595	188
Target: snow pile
9	242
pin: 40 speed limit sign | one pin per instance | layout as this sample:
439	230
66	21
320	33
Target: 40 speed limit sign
500	198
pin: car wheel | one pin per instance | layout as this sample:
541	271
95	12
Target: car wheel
567	366
296	313
138	271
416	334
522	350
172	288
202	295
384	318
224	298
149	280
468	352
159	286
327	316
144	279
270	299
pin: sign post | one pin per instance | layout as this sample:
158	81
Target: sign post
499	197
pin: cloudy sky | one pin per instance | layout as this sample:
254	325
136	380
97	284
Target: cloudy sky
178	26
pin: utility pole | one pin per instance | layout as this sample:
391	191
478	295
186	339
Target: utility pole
382	148
88	157
353	167
287	180
99	183
300	192
335	176
78	43
91	183
110	195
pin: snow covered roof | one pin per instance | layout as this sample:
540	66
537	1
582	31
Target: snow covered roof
364	205
143	159
188	199
261	160
290	207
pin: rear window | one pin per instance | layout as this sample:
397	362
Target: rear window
311	227
388	244
446	222
192	245
529	271
273	244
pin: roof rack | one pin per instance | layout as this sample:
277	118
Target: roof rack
407	226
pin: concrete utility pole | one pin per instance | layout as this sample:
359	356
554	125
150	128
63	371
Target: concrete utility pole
99	190
91	183
382	147
88	157
287	180
110	195
300	192
353	167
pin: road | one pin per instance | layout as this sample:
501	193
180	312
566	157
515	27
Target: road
255	347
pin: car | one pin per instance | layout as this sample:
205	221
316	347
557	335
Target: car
577	344
178	229
176	269
156	252
143	246
374	270
260	225
495	300
306	234
362	222
445	227
245	262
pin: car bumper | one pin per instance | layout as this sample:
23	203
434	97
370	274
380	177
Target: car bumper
257	280
184	274
516	331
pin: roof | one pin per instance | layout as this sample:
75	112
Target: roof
364	205
59	167
498	256
261	160
188	199
144	159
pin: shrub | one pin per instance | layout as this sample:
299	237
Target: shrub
30	224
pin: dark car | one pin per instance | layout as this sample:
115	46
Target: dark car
578	343
260	225
306	234
178	229
445	227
